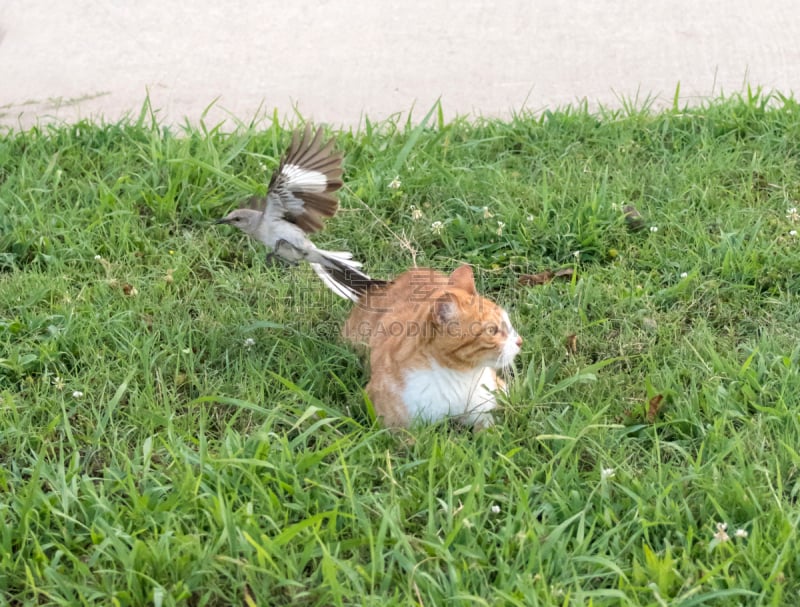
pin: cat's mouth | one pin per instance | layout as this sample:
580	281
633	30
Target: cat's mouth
511	347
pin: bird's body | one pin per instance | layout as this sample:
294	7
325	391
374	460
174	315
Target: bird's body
299	197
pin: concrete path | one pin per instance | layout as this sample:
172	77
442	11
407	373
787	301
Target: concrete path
338	59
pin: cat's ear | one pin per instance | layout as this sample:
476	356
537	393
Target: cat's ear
463	278
444	309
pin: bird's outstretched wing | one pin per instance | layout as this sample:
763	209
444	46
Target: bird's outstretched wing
302	189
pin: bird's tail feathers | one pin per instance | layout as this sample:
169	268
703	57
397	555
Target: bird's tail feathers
340	273
339	289
344	256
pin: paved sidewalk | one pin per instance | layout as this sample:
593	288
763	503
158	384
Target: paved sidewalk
338	59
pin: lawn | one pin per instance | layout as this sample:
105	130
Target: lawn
180	423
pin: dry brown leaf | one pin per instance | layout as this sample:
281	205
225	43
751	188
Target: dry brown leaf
633	218
572	344
653	407
545	276
540	278
760	183
129	290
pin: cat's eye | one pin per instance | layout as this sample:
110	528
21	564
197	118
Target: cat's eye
491	330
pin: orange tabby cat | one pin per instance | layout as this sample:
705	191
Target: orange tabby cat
434	347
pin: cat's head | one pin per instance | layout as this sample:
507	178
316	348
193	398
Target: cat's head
469	330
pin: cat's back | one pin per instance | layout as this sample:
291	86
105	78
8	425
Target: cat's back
401	300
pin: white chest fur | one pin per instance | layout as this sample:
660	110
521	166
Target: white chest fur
437	393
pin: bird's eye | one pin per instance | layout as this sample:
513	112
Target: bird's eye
491	330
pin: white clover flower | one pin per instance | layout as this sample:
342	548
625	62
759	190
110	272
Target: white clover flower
741	534
792	233
437	227
722	533
792	214
495	509
416	213
77	394
394	184
529	218
500	226
487	214
684	274
98	257
607	473
654	229
58	383
249	342
576	254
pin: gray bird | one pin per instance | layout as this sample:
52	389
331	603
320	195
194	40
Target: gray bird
300	195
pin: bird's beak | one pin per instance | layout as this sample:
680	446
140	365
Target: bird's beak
223	220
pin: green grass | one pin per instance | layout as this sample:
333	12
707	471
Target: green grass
150	456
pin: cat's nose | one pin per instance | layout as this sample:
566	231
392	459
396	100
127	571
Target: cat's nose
519	340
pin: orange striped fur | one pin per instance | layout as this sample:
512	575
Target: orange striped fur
434	344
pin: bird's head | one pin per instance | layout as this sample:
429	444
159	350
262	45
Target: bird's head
246	220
